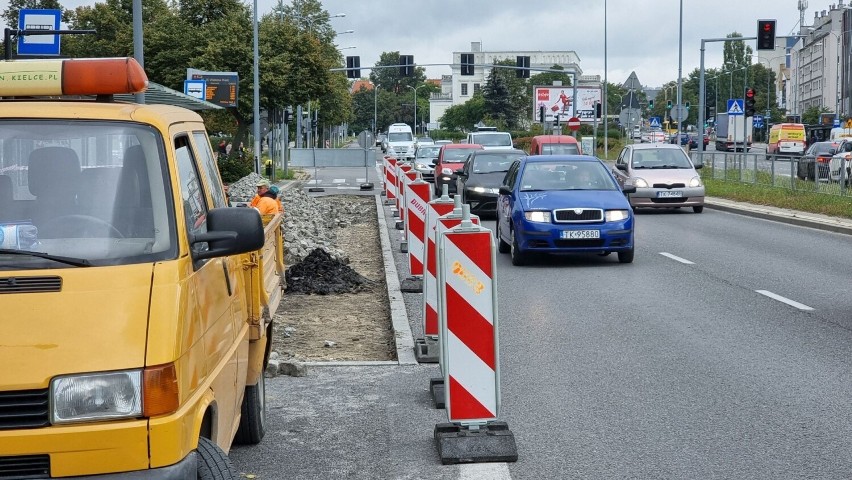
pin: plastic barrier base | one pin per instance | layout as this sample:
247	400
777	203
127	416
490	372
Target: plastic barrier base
400	225
316	189
493	442
366	186
382	194
395	213
436	386
412	285
426	350
403	247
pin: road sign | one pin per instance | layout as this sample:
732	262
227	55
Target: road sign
574	123
38	19
195	88
757	121
836	123
655	122
679	112
735	106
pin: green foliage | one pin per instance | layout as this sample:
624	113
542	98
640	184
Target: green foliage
463	117
233	168
390	79
736	54
812	114
813	202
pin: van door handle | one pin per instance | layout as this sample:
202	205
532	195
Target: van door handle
227	277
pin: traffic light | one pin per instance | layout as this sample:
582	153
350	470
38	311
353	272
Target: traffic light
598	109
650	104
766	34
353	65
668	104
288	114
749	102
523	64
467	64
406	65
541	114
687	105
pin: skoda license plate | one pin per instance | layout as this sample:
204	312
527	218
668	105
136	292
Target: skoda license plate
580	234
669	194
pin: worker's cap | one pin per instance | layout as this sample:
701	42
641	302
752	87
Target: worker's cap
263	183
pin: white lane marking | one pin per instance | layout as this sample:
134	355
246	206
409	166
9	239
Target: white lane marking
786	300
361	180
676	258
339	180
477	471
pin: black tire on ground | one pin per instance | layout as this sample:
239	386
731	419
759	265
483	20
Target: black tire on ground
698	208
626	256
519	258
502	246
213	464
253	419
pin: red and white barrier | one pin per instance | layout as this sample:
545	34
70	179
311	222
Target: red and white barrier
431	305
418	194
390	179
469	333
404	180
401	168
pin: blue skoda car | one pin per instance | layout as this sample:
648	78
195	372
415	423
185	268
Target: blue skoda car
563	204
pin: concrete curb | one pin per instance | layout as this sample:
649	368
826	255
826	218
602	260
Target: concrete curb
399	315
792	217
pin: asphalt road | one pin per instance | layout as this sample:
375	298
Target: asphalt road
723	351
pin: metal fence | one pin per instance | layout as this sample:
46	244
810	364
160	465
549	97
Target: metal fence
791	173
331	157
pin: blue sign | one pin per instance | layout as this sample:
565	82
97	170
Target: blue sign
836	123
37	19
757	121
655	122
736	106
195	88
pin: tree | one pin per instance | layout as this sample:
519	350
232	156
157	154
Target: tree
390	79
464	116
736	53
498	106
811	116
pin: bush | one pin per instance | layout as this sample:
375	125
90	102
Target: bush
233	168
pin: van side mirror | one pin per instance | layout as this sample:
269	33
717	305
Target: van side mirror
628	189
621	166
505	190
230	231
460	172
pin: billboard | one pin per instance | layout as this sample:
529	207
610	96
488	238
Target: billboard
221	87
558	101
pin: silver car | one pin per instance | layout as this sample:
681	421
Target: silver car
663	175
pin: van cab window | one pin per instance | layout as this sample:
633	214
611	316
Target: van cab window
94	191
209	168
191	191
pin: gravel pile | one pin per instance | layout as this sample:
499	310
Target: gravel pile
244	189
321	274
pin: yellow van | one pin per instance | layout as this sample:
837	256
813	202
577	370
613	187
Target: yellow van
786	139
135	302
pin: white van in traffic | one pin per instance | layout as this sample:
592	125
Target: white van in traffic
491	140
401	139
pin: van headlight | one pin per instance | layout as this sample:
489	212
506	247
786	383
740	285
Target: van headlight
640	183
695	181
96	396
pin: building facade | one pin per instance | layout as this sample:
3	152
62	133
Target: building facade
457	89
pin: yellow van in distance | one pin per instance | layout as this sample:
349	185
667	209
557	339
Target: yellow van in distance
786	139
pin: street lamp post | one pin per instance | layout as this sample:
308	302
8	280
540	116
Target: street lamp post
375	110
415	106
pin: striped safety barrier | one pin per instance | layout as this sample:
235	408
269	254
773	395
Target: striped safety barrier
406	178
401	169
418	194
390	180
469	328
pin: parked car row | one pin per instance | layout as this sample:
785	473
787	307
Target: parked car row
823	161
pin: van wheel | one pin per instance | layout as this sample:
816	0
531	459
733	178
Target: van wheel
698	208
213	464
253	414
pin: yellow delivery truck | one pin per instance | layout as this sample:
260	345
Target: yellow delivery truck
135	304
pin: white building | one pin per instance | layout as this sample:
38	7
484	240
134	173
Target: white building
817	63
457	89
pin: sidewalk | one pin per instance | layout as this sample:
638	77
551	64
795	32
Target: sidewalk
793	217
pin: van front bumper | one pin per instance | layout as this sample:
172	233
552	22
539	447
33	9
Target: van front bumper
186	469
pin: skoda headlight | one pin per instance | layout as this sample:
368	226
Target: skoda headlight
479	189
616	215
96	396
640	183
537	216
695	181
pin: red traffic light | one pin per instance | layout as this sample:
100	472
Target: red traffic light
750	93
767	27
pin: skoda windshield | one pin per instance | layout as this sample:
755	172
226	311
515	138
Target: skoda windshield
83	193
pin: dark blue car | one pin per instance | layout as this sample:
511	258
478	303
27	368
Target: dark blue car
563	204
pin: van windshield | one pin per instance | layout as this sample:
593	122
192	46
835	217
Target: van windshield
400	137
87	190
493	140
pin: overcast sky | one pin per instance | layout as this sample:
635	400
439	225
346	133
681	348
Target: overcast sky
642	34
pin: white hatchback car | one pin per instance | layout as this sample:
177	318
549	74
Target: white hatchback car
842	157
663	175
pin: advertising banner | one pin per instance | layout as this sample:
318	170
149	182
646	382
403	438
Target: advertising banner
558	101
